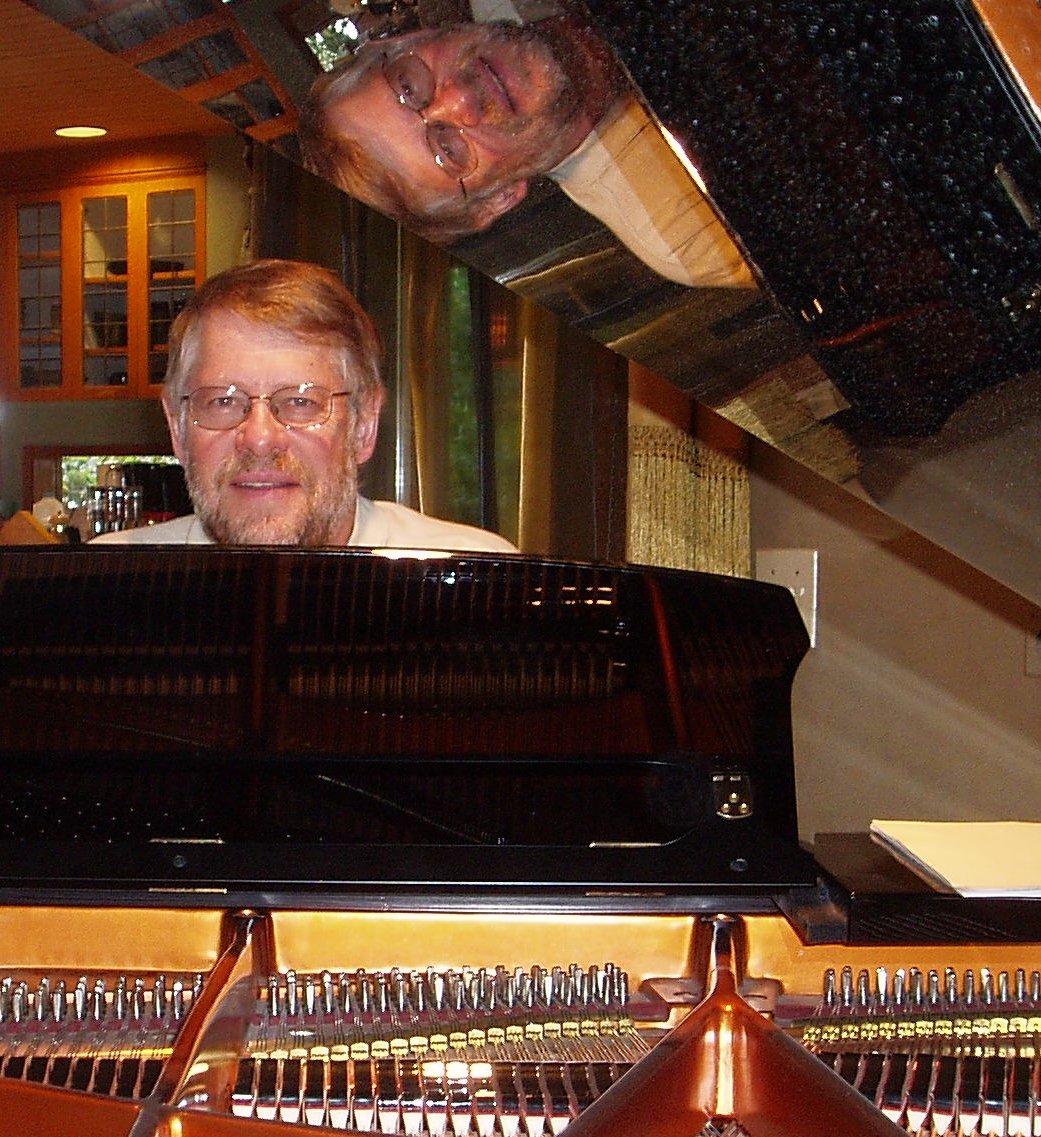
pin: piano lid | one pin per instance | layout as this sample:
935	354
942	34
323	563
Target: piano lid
272	721
878	168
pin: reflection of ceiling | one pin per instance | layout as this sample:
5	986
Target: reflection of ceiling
50	76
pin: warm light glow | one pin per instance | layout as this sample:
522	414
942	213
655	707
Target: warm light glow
80	131
725	1067
684	158
395	554
456	1070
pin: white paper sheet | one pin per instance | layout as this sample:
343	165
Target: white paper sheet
973	858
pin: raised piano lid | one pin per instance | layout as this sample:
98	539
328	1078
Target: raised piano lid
252	725
889	214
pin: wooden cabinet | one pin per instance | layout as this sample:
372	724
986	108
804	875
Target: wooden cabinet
94	275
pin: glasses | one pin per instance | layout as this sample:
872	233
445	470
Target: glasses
413	85
224	408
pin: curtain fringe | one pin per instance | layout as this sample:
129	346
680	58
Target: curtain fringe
689	503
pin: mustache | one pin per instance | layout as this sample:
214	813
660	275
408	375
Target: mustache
547	67
283	463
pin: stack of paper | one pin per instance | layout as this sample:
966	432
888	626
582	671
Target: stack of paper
973	858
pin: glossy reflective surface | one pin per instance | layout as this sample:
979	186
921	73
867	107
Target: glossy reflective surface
880	171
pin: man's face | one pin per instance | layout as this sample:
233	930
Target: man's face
503	85
261	483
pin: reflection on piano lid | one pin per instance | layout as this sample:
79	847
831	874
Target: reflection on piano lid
484	724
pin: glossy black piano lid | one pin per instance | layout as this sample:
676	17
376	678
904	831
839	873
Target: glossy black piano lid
268	715
881	166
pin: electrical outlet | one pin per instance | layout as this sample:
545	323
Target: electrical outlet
796	569
1032	654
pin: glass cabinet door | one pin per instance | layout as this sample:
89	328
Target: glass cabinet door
171	268
39	295
96	275
105	269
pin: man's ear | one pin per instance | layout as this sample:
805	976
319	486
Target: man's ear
367	424
174	422
501	200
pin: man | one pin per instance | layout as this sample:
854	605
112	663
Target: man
444	128
272	397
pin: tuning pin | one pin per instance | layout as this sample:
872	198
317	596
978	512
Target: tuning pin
97	1005
899	989
863	990
846	987
42	1007
829	993
119	999
328	995
310	996
59	1006
159	998
79	998
137	1000
292	1002
970	987
20	1002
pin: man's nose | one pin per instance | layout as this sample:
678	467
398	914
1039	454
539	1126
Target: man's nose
260	432
455	102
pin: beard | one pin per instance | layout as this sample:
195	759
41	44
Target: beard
556	70
551	72
328	506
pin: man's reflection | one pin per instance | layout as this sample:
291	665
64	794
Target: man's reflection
444	129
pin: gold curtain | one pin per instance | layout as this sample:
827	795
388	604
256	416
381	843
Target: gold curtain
570	427
424	354
573	441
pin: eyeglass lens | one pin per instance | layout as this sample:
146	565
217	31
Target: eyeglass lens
222	408
412	84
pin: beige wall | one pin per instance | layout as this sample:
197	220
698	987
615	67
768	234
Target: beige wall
227	203
915	702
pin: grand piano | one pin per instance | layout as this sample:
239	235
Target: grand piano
502	846
469	845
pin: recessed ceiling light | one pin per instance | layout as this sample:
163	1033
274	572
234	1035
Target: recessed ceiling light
80	131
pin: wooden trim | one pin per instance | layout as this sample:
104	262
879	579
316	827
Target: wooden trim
272	128
227	81
176	38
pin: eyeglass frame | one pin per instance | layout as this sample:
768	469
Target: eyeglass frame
299	388
429	124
